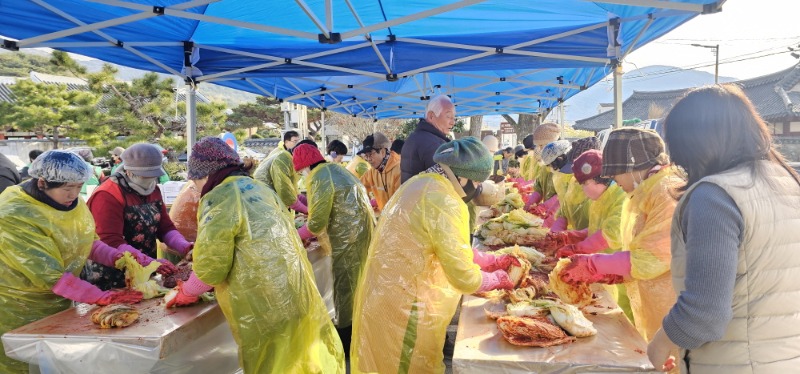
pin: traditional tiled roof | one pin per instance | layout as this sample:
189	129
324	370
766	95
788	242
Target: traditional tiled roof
770	94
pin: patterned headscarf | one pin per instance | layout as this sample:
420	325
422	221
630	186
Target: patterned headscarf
209	155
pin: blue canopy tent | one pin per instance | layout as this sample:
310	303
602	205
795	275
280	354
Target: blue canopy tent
376	58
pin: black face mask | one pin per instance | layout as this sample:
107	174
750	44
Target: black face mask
471	191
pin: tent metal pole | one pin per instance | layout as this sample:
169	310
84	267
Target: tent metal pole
191	117
324	142
618	96
410	18
313	17
660	4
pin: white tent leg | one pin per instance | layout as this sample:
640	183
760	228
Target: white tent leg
191	118
618	96
322	128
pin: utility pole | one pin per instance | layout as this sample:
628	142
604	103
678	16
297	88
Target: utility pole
714	49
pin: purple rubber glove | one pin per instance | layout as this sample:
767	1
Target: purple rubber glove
489	262
189	291
303	199
105	254
533	199
175	240
552	203
495	280
298	206
304	233
599	267
75	289
592	244
560	224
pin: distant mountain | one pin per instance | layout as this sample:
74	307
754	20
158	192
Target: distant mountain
649	78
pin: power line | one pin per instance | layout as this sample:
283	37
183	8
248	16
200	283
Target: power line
679	69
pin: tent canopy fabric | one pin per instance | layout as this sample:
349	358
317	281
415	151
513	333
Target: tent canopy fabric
376	58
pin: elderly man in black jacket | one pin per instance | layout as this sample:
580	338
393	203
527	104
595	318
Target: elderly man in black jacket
431	132
8	173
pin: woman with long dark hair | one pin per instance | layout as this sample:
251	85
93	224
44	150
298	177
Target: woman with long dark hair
735	242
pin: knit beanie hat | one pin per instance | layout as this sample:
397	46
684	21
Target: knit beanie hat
60	167
117	151
85	153
143	159
632	149
588	165
546	133
557	148
467	157
209	155
491	143
582	145
305	155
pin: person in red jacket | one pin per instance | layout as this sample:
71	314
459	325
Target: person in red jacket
130	215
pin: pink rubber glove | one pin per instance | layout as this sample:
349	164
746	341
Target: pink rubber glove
592	244
75	289
166	268
489	262
188	292
298	206
175	240
495	280
373	203
304	233
105	254
598	267
560	224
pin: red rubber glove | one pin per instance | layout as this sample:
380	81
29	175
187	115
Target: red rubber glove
555	240
123	296
592	244
76	289
166	268
489	262
495	280
188	292
598	268
538	210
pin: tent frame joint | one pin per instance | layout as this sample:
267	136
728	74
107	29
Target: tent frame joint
391	77
10	45
712	8
334	38
158	10
391	38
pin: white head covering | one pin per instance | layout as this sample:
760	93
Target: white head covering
557	148
60	167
